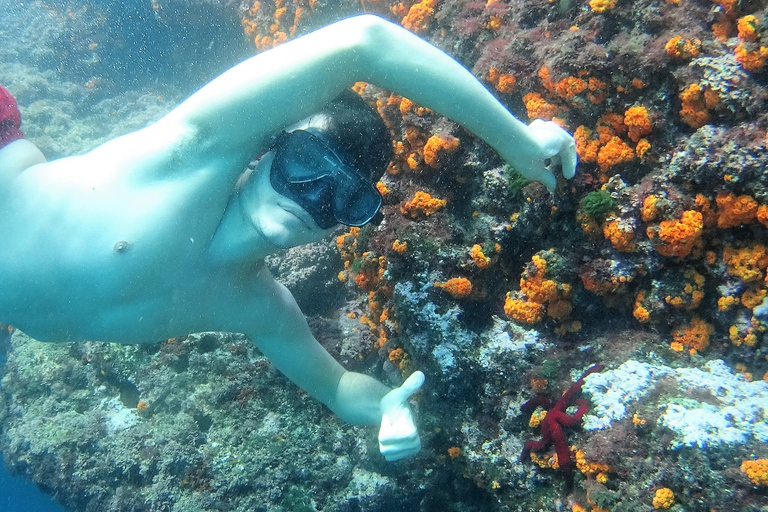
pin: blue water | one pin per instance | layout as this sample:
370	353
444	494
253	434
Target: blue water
17	494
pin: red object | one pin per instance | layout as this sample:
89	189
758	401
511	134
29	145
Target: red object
556	418
10	118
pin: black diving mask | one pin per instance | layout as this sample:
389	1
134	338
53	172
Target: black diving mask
308	171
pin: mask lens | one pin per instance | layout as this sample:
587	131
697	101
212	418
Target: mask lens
355	203
309	172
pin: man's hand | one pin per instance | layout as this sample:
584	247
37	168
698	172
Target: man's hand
554	147
398	436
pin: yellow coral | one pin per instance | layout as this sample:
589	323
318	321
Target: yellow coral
480	259
639	311
399	247
726	303
747	263
682	48
664	498
596	469
602	5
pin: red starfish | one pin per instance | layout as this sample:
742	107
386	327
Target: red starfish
556	418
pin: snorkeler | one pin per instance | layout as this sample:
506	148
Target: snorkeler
160	232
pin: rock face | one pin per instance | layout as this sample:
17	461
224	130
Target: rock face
651	261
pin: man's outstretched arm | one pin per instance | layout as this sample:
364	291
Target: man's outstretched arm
354	397
267	92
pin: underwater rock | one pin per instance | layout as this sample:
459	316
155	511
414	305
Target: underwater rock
704	407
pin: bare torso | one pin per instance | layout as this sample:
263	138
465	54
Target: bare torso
100	247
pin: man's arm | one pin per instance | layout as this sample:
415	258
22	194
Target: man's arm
267	92
356	398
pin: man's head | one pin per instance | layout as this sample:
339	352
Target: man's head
360	134
299	194
329	162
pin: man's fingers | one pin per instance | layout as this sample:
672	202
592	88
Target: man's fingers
400	395
412	384
569	159
401	451
548	180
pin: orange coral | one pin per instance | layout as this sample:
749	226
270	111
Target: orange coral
422	205
735	211
586	148
696	104
437	148
762	214
396	357
747	27
458	287
383	189
650	211
419	16
756	470
495	23
504	82
533	284
570	86
677	237
538	107
615	151
751	60
682	48
642	147
694	336
523	310
753	297
727	5
454	451
638	122
620	233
